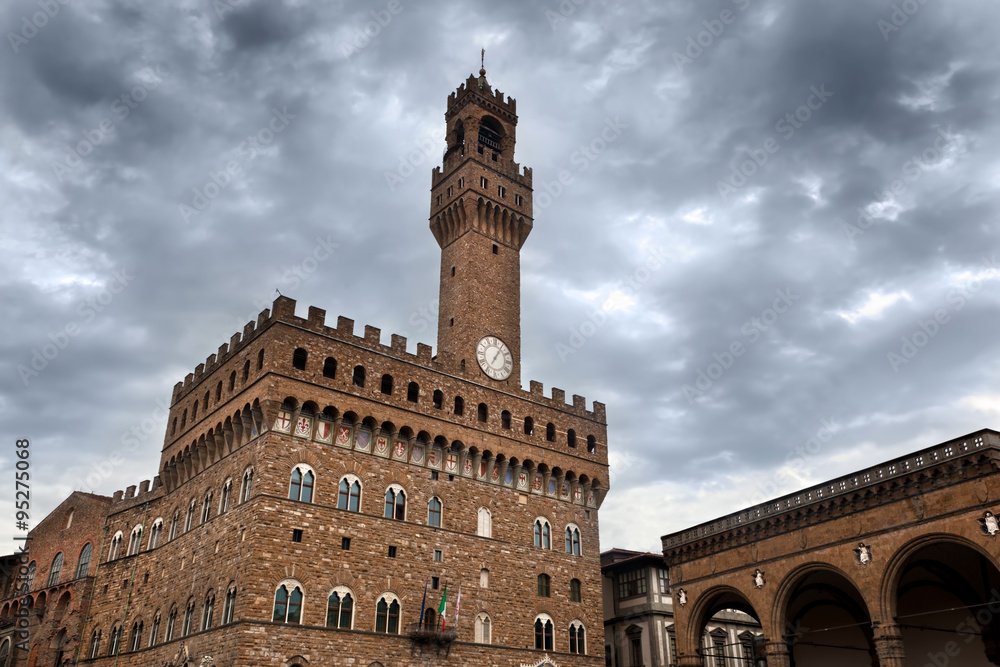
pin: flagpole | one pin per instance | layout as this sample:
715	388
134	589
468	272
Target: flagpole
422	603
458	604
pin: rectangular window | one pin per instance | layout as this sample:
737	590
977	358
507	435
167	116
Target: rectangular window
502	191
296	535
483	183
449	191
635	652
345	543
434	473
435	582
392	552
518	199
664	576
438	555
461	182
631	584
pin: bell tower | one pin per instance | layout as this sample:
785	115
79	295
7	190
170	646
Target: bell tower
481	215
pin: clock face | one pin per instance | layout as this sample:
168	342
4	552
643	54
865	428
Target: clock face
494	357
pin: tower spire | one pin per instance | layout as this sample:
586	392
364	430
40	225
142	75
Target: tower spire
482	63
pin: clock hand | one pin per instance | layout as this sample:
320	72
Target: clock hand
495	357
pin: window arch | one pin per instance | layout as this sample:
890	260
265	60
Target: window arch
174	523
529	426
154	630
288	600
83	562
188	626
227	491
386	387
155	532
173	427
116	640
136	640
340	609
484	525
591	444
95	643
208	611
395	503
184	418
484	629
544	585
189	519
208	395
218	391
171	624
412	392
577	638
299	358
246	371
543	533
134	541
194	412
116	545
571	438
359	376
434	512
482	412
550	432
387	613
572	540
574	590
260	360
247	485
55	570
330	367
459	406
206	507
438	399
300	487
505	419
229	607
543	632
349	494
232	381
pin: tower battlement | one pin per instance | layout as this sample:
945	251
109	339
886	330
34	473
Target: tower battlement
480	89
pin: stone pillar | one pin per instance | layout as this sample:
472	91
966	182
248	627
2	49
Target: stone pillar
889	644
777	654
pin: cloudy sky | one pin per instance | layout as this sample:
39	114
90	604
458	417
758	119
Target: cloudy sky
789	236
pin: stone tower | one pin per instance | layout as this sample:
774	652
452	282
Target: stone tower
481	215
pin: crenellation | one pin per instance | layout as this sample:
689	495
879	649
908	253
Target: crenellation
248	330
117	496
599	413
284	308
345	326
373	335
398	344
129	492
234	341
263	317
536	388
559	397
424	353
579	403
223	352
188	380
317	316
210	361
143	487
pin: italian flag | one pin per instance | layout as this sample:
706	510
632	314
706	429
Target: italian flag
443	606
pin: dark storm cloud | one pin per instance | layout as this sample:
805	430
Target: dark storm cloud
363	86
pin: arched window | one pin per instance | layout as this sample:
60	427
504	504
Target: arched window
155	532
29	579
208	611
550	432
543	632
227	490
246	371
412	392
208	394
359	376
116	545
387	384
387	614
155	629
574	590
288	603
349	494
229	608
69	524
83	562
484	630
438	399
247	485
529	426
340	609
484	525
194	412
184	418
577	641
299	358
330	368
218	391
395	503
591	444
188	626
116	640
434	513
174	524
484	578
571	438
134	541
544	586
301	485
171	624
505	419
459	406
543	534
136	641
572	540
206	507
173	428
482	412
95	643
232	381
55	570
189	519
260	360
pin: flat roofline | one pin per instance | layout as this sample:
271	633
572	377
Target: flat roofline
923	459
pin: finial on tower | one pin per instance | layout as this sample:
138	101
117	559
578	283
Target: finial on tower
482	62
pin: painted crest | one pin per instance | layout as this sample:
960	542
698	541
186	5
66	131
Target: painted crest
451	462
482	469
495	475
363	441
283	422
399	451
522	480
536	484
303	427
381	446
324	431
417	454
467	468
